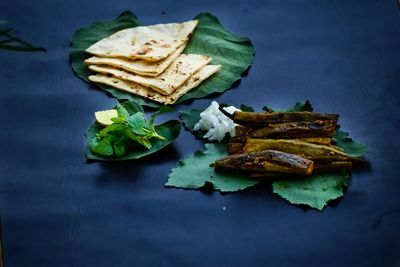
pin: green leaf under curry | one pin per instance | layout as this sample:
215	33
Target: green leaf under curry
350	146
210	38
169	130
315	191
194	172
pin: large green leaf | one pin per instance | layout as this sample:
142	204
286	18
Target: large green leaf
194	172
85	37
210	38
169	130
233	52
189	119
315	191
350	146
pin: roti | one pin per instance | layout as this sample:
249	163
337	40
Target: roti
168	81
150	43
139	66
137	89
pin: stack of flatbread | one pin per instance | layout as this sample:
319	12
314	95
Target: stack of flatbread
148	61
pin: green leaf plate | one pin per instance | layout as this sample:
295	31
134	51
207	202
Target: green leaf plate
194	172
210	38
314	191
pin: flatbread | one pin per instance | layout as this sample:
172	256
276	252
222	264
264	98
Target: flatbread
151	43
138	66
168	81
140	90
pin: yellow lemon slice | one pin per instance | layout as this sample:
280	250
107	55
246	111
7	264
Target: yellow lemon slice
104	117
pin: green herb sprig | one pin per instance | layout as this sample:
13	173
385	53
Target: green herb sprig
10	42
116	138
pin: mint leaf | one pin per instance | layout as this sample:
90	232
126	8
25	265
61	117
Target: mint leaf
142	140
133	127
118	119
137	122
104	147
122	112
115	128
194	172
315	191
119	147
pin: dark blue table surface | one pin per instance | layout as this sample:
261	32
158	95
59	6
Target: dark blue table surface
57	210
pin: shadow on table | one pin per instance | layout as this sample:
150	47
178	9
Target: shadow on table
130	170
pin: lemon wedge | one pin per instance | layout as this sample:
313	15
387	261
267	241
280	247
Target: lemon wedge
104	117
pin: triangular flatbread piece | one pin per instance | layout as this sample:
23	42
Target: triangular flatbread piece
138	66
140	90
168	81
151	43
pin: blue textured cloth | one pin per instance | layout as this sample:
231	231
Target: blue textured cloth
57	210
